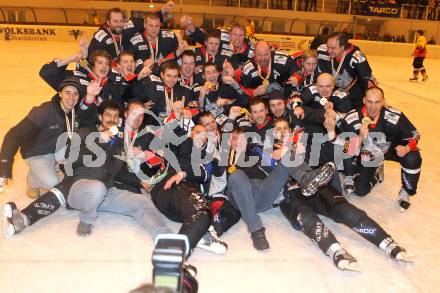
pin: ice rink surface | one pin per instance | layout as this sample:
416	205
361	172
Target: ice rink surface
50	257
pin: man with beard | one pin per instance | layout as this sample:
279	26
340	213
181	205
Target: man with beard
112	187
348	66
110	34
114	35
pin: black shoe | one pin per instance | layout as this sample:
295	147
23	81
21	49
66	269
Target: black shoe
312	180
259	239
403	201
84	229
414	79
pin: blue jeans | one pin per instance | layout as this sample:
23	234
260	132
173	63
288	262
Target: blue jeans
86	195
91	197
42	172
252	196
138	206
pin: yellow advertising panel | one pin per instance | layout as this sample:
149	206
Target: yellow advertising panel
290	44
18	32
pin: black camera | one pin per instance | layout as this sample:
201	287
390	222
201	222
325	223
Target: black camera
169	268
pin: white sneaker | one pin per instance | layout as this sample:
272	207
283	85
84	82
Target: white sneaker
8	227
211	243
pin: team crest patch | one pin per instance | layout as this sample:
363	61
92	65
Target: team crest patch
101	34
359	56
168	34
248	67
391	117
280	59
136	39
324	57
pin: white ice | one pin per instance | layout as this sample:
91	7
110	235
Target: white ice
50	257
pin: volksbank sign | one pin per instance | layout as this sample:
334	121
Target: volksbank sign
28	31
12	32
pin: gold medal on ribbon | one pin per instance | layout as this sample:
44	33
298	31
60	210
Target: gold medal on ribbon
232	161
366	120
208	85
86	65
265	78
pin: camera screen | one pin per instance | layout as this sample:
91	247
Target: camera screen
166	281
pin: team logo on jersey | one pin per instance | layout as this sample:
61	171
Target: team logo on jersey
248	67
313	89
225	37
391	117
167	34
280	59
340	93
226	53
136	39
100	35
359	56
343	80
324	57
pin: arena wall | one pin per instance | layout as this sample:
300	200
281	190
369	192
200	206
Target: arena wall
12	32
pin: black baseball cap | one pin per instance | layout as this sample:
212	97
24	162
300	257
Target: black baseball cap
72	81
